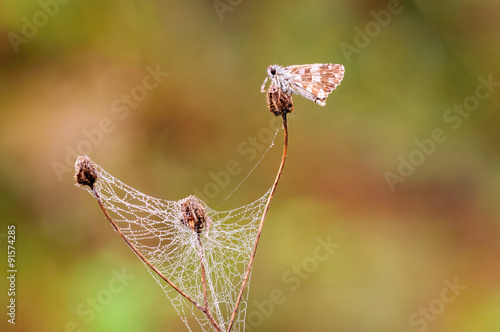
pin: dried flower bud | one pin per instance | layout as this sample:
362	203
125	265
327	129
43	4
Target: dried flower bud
192	214
85	171
278	101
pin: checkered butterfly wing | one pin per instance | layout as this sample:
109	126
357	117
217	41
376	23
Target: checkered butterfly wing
316	81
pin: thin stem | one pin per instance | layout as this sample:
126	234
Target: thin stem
204	284
273	189
141	256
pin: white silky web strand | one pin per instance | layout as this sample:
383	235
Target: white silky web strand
254	167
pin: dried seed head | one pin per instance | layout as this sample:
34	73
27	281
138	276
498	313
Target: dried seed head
278	101
192	214
85	171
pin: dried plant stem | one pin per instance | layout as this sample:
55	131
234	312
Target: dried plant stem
259	231
204	283
204	308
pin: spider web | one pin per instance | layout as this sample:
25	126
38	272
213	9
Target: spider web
153	226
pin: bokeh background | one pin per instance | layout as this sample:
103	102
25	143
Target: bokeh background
400	247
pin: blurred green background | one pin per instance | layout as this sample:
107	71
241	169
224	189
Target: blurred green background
410	67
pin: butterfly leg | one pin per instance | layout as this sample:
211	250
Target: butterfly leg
263	86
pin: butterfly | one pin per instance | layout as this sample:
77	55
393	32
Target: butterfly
314	82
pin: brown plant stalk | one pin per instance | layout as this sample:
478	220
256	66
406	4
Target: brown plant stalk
250	263
279	104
